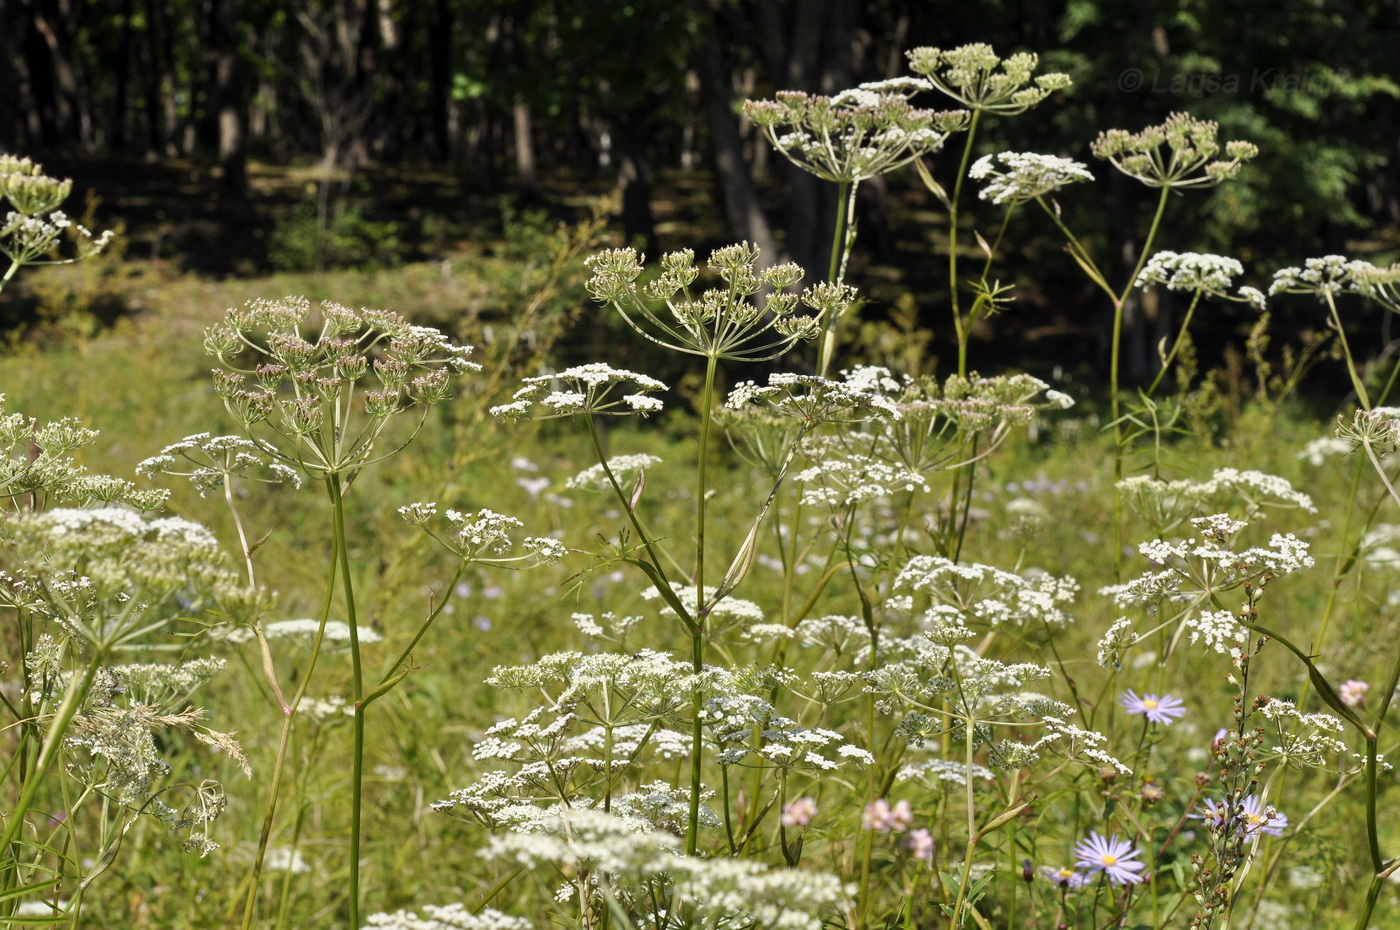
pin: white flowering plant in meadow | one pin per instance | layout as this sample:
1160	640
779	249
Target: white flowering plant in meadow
89	582
90	589
324	408
799	687
891	710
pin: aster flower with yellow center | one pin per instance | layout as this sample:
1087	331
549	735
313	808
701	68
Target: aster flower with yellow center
1164	709
1113	857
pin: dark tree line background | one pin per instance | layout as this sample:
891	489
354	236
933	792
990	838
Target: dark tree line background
519	96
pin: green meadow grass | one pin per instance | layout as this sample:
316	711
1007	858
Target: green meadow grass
146	383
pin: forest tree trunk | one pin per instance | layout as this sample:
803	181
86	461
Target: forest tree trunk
737	191
225	95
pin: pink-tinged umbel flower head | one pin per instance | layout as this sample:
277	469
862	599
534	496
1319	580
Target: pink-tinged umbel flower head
1353	692
1164	709
879	815
1114	857
799	813
920	843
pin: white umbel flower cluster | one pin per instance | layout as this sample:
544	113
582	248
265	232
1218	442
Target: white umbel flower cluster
625	469
450	917
1020	177
857	134
1191	271
1302	740
629	855
592	389
1328	275
1167	504
209	459
812	399
853	479
1219	630
986	594
484	536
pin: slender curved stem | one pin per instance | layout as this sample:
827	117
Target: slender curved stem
53	743
632	517
285	901
1357	384
1113	369
973	316
842	241
390	679
1176	345
701	502
14	266
965	517
953	241
697	635
334	488
289	710
848	237
1079	253
697	651
238	526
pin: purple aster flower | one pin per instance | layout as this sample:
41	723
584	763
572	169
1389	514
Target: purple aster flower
1114	857
1253	818
1164	709
1064	876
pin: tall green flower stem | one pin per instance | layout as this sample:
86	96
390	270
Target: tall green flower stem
10	273
706	401
697	633
959	330
657	574
843	240
1176	344
984	303
1357	384
1119	298
73	698
289	711
335	489
284	902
